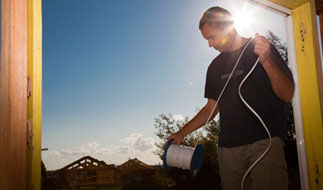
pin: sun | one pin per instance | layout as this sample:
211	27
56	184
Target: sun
243	20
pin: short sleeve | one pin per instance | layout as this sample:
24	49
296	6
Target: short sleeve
281	63
211	84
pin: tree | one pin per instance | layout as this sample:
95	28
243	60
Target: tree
281	47
167	125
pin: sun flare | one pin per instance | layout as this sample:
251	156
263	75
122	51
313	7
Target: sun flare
243	20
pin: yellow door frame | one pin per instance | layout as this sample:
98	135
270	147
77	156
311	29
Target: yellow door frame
310	88
34	104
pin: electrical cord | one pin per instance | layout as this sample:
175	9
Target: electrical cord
248	106
225	86
261	121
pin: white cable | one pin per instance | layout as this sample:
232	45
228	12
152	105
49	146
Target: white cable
261	121
225	85
248	106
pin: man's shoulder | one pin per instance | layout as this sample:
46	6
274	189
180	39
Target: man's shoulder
217	60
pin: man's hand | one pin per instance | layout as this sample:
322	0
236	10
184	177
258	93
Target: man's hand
262	48
283	87
178	137
197	122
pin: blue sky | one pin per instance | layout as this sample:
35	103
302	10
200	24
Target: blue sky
111	66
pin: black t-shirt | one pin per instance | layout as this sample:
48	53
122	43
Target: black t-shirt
239	126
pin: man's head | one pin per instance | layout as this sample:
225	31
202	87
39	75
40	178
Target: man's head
216	17
216	26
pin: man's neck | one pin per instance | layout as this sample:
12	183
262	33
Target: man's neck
236	42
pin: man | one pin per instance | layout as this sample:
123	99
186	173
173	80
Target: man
242	138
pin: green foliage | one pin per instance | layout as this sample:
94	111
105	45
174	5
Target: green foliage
209	143
281	47
166	125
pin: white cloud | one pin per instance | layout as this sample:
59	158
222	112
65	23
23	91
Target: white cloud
178	117
95	148
54	153
133	144
132	138
103	151
78	152
139	143
123	149
92	148
92	145
144	144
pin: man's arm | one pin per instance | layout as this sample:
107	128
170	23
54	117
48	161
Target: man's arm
198	121
283	87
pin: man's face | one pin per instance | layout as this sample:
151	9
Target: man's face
216	37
